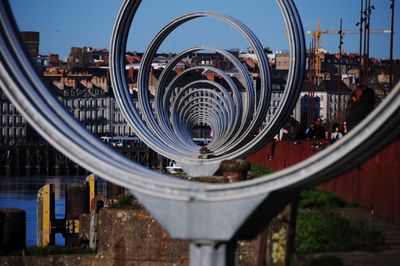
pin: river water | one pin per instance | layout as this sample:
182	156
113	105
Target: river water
21	192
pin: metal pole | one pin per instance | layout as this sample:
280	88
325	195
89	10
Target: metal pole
391	47
365	42
368	40
361	31
339	68
210	253
311	69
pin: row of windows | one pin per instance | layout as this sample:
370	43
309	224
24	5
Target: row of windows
13	132
333	97
12	120
122	130
91	115
8	108
334	107
98	128
81	103
73	93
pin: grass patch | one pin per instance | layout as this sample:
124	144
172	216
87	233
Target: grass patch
315	198
126	202
325	230
257	171
56	250
325	260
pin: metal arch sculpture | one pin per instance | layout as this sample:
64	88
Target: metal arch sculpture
149	130
209	216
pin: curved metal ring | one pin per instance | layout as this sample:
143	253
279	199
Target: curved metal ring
29	94
152	133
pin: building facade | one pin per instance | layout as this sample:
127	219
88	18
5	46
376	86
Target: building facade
13	124
97	110
30	40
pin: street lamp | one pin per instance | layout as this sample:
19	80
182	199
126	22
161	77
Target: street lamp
391	46
360	24
367	16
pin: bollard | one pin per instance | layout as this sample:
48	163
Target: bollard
92	183
76	203
78	199
97	203
45	215
12	230
235	170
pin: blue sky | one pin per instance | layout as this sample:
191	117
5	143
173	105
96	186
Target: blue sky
67	23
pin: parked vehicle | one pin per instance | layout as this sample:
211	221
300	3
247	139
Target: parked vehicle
174	168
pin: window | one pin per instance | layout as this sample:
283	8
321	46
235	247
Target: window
81	115
4	108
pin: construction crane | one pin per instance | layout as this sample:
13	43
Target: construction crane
317	41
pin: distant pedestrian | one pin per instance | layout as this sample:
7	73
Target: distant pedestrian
316	131
360	108
344	128
336	133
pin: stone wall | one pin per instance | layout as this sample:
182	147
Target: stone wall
131	237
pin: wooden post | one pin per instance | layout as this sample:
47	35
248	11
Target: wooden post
91	181
28	162
276	243
235	170
45	215
12	230
76	203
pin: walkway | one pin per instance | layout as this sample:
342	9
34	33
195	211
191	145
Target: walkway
389	257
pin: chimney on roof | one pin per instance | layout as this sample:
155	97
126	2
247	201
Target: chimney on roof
211	76
131	74
178	70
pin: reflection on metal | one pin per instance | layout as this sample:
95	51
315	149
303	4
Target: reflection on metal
210	216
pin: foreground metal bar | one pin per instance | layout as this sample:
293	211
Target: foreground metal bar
197	212
212	254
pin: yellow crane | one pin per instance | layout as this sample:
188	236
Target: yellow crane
317	41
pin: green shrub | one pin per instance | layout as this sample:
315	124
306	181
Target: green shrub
56	250
315	198
125	200
257	171
329	231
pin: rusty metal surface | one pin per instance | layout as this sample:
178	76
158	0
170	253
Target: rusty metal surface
375	184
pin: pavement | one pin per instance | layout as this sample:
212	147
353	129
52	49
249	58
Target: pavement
388	257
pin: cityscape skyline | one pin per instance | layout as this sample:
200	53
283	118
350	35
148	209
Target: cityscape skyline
66	24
